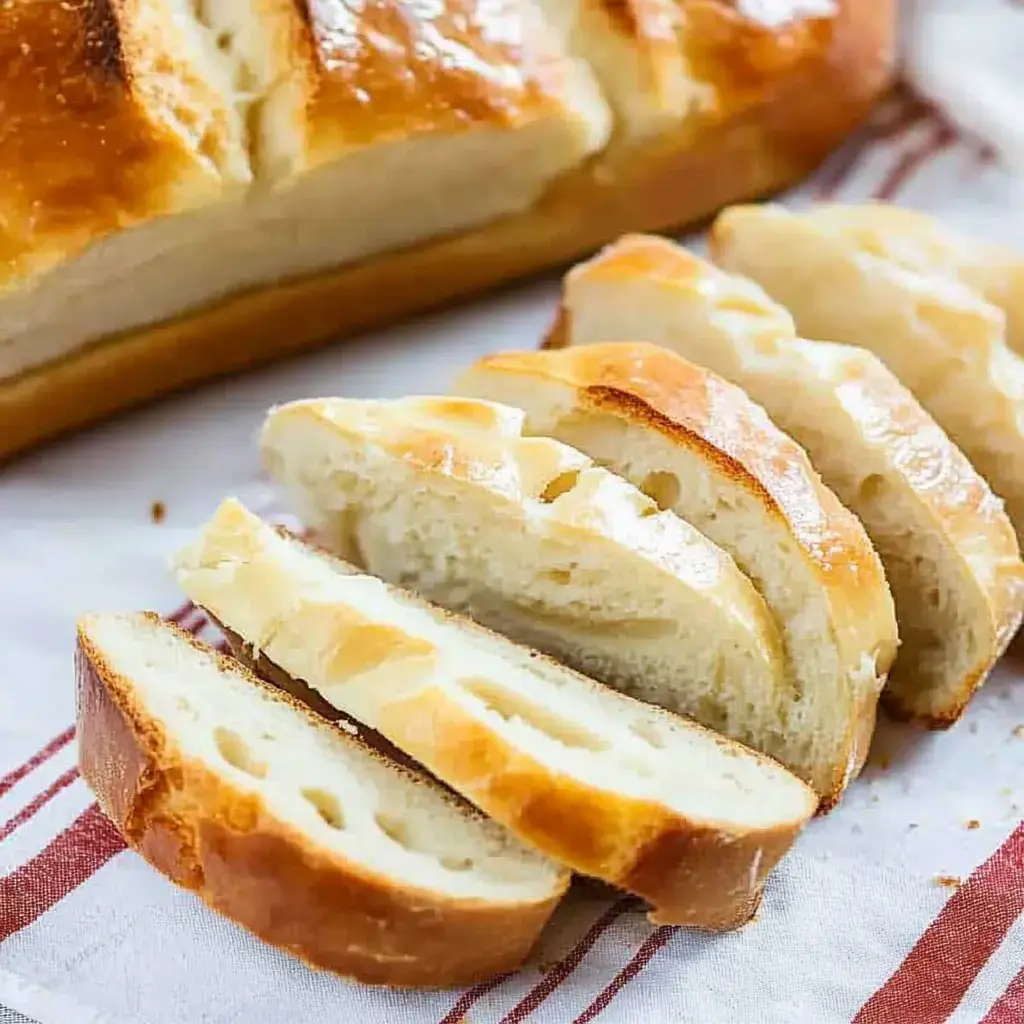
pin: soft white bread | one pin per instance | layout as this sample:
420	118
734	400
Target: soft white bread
701	448
941	339
254	144
950	554
293	827
614	788
922	243
531	538
188	189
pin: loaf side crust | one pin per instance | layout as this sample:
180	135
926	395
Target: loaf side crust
228	848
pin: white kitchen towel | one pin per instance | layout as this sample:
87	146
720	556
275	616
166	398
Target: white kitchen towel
903	907
967	58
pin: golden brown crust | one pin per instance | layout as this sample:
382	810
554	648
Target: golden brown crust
87	146
394	72
763	149
227	847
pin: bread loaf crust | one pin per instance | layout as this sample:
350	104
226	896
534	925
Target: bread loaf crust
228	848
779	133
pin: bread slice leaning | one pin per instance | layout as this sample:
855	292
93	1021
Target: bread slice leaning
291	826
700	447
941	339
922	243
529	537
949	552
611	787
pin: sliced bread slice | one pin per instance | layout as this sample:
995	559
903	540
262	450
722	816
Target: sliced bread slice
921	242
291	826
950	554
941	339
615	789
700	447
529	537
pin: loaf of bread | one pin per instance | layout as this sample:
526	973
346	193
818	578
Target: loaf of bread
949	551
701	448
293	827
613	788
187	190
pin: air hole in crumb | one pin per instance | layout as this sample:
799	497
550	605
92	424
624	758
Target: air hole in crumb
512	706
326	805
560	576
224	41
871	487
562	484
267	735
234	750
662	488
182	704
648	733
397	831
934	598
457	863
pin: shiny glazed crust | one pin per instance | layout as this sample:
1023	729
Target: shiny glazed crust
796	91
226	846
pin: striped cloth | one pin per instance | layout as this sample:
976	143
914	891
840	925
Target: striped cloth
904	907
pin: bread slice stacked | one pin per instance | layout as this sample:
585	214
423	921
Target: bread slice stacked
293	827
937	335
701	448
612	787
528	536
947	545
623	607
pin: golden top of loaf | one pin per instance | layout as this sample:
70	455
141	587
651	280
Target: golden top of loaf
119	111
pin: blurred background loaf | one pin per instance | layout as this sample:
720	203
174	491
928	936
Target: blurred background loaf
187	193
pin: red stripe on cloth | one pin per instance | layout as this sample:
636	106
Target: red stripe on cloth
915	160
469	998
40	757
71	857
929	984
640	960
60	783
1009	1007
197	625
553	978
181	613
847	161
